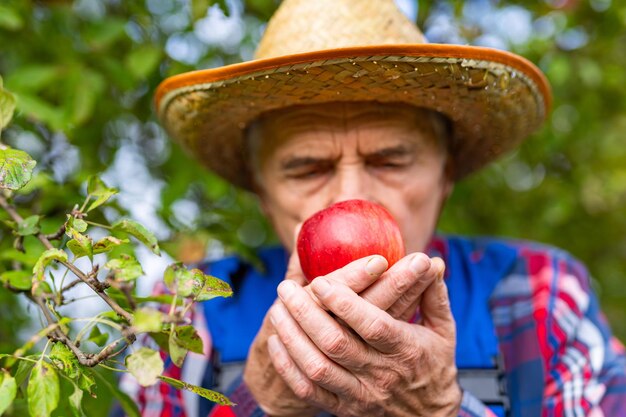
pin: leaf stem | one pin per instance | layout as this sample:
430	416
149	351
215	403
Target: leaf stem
104	226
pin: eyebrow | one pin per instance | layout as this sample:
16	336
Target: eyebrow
302	161
399	150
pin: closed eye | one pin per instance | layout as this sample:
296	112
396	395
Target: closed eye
306	168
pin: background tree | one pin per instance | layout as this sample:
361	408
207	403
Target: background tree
84	73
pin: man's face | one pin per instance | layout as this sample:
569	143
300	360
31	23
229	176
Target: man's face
307	158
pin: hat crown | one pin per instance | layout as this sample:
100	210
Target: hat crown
298	26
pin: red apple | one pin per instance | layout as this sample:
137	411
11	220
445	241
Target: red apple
344	232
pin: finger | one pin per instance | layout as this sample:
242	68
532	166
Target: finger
375	326
360	274
333	340
435	306
301	386
406	308
401	285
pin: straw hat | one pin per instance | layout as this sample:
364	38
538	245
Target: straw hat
355	50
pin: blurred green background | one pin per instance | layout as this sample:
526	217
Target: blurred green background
85	71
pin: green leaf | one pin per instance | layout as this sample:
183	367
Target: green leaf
188	338
7	106
98	337
45	259
10	19
40	288
162	340
138	231
23	371
107	243
65	360
21	280
127	404
8	390
97	188
216	397
142	61
184	282
86	381
101	34
147	320
43	390
177	352
33	78
16	167
76	401
213	287
146	365
80	245
74	223
84	88
29	226
125	268
38	109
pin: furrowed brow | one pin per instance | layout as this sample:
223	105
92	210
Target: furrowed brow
388	152
298	162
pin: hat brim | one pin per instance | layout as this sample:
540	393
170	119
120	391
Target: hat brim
494	99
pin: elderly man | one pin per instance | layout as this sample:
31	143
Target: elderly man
346	101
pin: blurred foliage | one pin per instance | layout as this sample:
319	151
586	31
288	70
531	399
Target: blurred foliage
84	72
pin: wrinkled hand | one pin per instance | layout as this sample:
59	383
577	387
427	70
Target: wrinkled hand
397	291
368	363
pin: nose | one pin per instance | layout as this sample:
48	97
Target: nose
350	182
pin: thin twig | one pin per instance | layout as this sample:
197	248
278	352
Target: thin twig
93	283
58	234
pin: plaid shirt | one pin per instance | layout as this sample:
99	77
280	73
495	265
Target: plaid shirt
532	304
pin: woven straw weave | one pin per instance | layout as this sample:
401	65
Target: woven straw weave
494	99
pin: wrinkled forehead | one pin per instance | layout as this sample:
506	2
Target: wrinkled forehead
276	128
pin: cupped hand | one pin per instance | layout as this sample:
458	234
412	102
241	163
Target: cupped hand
369	362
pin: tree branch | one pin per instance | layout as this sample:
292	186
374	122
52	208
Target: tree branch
92	282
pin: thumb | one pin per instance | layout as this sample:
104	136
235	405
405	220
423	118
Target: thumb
435	307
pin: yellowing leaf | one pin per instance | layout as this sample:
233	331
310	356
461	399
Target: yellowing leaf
106	244
7	106
177	352
147	320
125	268
146	365
97	188
216	397
8	390
213	287
182	281
188	338
45	259
43	390
16	167
80	245
138	231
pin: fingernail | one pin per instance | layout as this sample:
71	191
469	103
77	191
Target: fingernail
321	286
441	268
376	265
419	264
286	288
